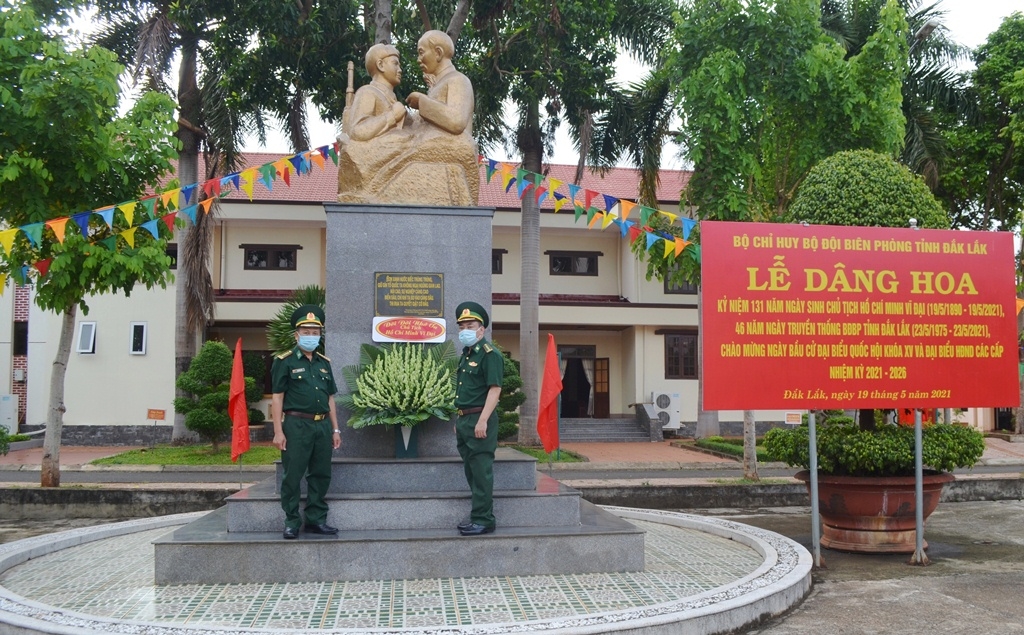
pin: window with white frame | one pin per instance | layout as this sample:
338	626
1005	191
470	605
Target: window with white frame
86	338
138	336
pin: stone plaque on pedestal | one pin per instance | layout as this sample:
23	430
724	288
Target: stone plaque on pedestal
450	246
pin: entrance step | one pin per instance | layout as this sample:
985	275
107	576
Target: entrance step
551	504
602	430
205	552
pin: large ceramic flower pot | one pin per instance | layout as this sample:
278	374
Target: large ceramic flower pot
873	514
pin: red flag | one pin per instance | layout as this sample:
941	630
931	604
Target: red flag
550	387
238	410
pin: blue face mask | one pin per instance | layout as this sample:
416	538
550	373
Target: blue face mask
468	337
309	343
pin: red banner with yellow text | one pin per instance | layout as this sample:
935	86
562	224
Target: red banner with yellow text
857	317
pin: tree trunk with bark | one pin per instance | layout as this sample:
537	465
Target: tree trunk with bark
529	298
382	21
190	109
50	468
750	446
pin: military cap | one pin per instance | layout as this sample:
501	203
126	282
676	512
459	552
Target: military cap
308	315
471	311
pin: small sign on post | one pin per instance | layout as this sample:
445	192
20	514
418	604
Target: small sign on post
156	415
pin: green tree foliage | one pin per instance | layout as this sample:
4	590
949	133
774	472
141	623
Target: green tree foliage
764	94
865	188
207	382
933	85
64	150
984	186
511	398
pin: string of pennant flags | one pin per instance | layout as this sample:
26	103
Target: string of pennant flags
163	206
166	206
615	210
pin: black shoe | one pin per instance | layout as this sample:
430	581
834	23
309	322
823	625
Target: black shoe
475	530
322	528
465	525
291	533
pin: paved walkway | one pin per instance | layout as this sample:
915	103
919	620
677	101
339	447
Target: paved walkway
624	456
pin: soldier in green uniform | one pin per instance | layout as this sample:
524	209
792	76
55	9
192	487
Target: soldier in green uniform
305	423
476	430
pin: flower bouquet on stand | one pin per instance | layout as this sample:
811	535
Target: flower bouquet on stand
401	385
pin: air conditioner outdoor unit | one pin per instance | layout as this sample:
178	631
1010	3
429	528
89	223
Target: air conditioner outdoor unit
666	407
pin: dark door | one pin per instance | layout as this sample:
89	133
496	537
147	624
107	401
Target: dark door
575	390
601	407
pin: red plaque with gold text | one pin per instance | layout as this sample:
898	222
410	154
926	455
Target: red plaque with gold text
857	317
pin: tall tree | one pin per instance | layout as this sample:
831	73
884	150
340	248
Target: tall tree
147	35
984	187
933	84
764	94
553	62
49	173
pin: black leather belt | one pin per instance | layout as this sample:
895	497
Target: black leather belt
469	411
306	415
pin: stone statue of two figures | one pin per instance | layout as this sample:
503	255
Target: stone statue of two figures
389	155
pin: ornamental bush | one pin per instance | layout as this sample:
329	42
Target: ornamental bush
511	398
400	384
208	382
846	450
865	188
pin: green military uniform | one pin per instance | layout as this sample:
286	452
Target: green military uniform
308	386
480	367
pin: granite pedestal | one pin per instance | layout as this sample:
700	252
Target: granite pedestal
543	528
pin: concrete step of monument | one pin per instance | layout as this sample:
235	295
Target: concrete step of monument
512	471
204	552
551	504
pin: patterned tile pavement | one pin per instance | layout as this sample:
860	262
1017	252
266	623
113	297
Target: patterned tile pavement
112	578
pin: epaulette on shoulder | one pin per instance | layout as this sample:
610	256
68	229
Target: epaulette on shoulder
283	355
324	357
488	348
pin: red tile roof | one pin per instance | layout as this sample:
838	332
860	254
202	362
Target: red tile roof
322	185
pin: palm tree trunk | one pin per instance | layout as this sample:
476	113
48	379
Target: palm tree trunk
50	468
529	347
189	105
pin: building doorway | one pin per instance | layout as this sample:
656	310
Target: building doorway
584	382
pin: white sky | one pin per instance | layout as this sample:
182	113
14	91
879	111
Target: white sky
969	21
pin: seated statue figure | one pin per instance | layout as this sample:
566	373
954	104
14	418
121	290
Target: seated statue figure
425	158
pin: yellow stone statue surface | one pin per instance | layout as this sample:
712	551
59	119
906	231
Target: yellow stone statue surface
426	157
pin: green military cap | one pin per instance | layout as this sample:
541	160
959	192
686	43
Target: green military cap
308	315
471	311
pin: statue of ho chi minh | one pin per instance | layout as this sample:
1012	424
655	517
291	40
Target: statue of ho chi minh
427	157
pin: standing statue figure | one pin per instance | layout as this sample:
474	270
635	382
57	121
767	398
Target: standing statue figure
428	157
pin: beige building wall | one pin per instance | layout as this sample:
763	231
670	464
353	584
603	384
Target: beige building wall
110	386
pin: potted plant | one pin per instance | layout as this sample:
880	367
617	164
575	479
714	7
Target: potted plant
400	385
866	477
